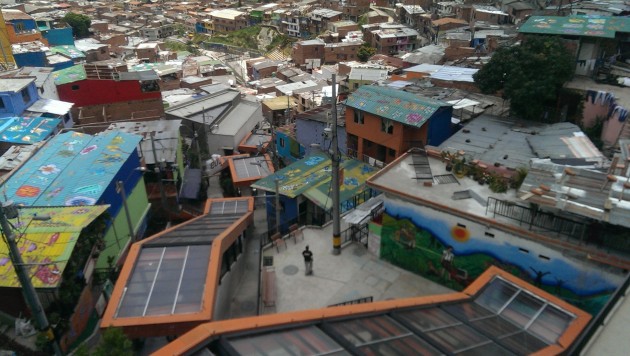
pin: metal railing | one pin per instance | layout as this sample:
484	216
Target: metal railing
369	299
536	218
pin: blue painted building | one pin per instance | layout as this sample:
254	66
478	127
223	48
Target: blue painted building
55	35
288	148
31	58
305	188
16	95
310	129
75	169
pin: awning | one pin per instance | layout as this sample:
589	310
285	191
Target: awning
52	106
363	212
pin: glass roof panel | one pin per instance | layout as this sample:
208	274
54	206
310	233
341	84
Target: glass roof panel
495	326
140	282
457	338
303	341
408	345
468	311
495	296
368	330
486	350
522	309
523	343
427	319
550	324
193	280
229	207
166	280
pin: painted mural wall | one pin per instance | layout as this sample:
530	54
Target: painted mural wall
415	238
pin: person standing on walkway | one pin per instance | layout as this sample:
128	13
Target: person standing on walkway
308	261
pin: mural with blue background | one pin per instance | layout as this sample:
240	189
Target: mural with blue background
414	238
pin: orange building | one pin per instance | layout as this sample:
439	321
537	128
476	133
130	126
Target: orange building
21	27
498	314
183	276
382	123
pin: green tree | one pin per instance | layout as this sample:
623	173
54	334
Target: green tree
365	52
80	24
529	75
114	342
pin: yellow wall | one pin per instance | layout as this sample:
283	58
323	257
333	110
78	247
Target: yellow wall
6	54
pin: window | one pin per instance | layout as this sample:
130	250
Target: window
75	87
19	27
392	152
358	117
282	142
26	97
2	106
387	126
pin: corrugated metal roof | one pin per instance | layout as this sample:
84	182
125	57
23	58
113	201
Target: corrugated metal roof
393	104
166	137
313	174
591	26
206	108
69	75
69	51
72	169
26	130
513	143
16	155
48	242
52	106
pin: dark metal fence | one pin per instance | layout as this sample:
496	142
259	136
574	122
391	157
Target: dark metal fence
369	299
536	218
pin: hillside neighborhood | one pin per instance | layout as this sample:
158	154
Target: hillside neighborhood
363	177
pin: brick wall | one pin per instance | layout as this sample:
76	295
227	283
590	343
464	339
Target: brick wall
301	53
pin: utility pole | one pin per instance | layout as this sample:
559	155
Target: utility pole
277	183
27	287
335	173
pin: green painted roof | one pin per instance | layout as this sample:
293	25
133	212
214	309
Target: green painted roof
68	51
70	75
394	104
587	26
311	176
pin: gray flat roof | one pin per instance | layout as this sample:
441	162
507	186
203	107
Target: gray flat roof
166	137
14	84
206	108
513	142
237	117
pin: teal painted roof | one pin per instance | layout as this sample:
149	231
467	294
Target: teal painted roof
588	26
69	75
311	176
71	169
393	104
69	51
26	130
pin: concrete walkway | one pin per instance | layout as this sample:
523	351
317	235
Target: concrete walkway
353	274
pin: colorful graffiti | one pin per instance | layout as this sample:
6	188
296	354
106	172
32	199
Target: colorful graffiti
417	244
